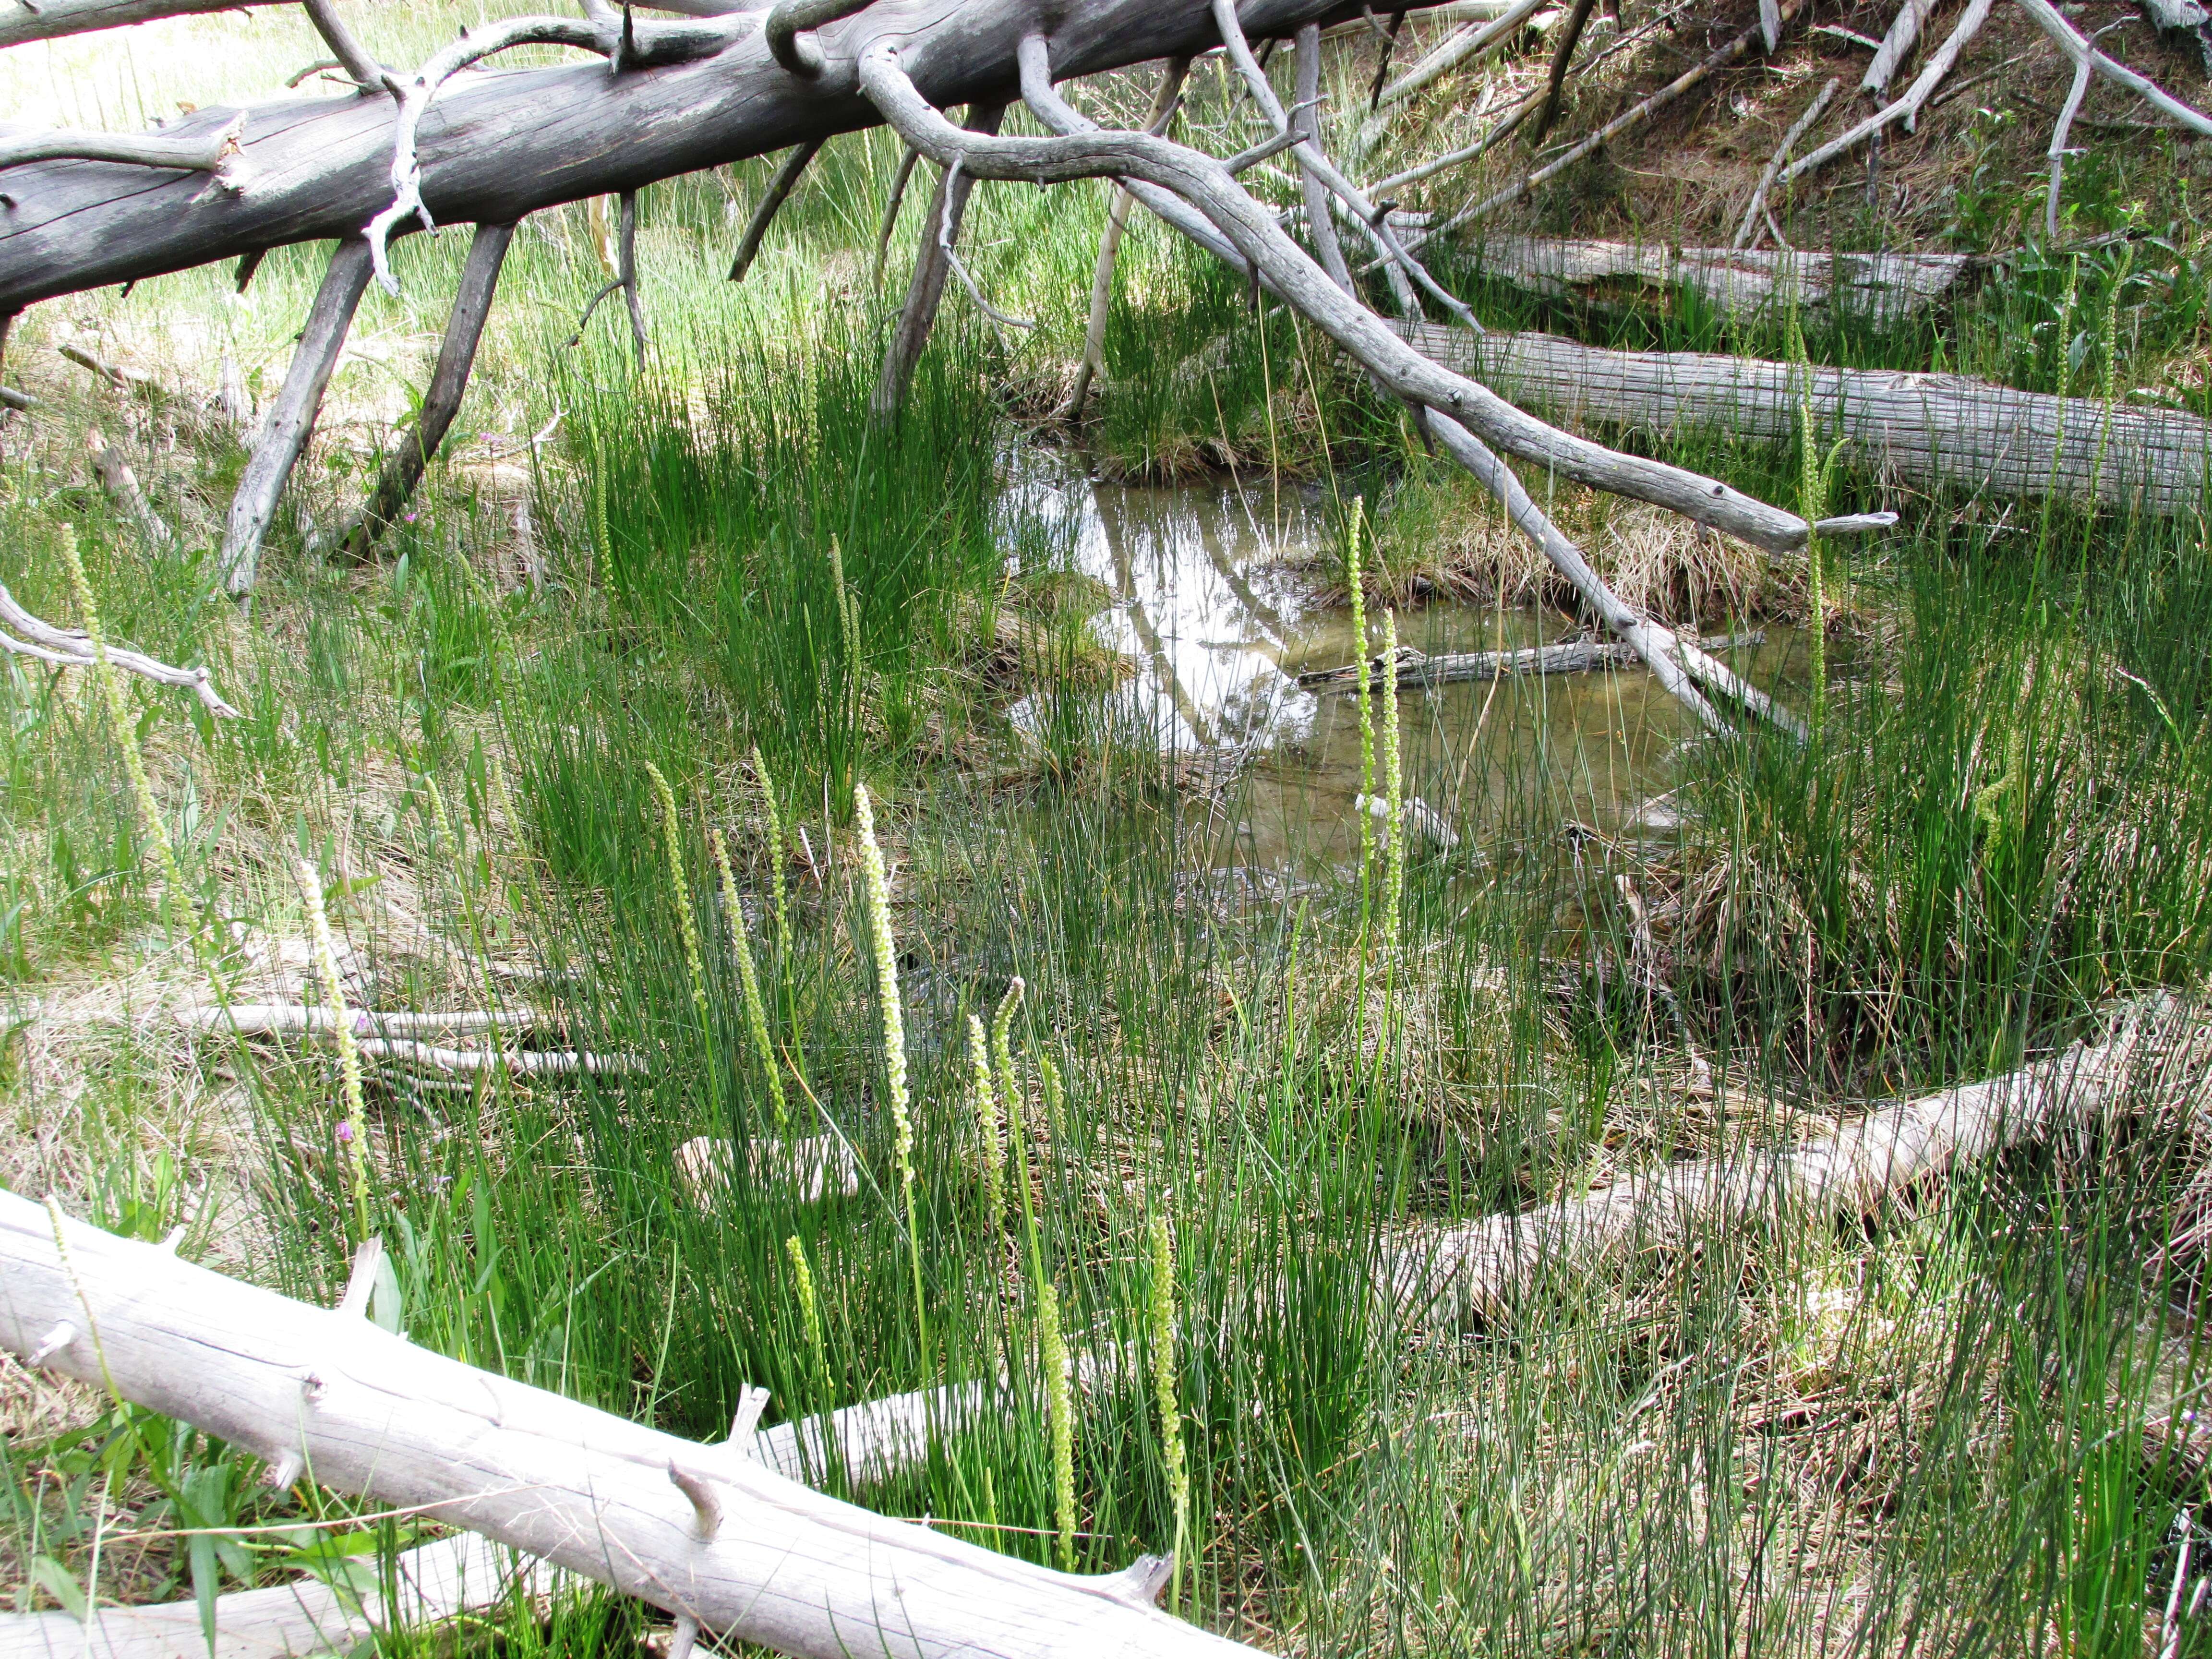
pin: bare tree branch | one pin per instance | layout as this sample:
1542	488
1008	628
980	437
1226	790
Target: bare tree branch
68	647
292	417
925	289
1110	244
404	467
778	192
1747	232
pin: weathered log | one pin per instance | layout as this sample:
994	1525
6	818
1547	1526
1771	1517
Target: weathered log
1935	430
300	1018
1881	287
438	1582
755	1556
1478	1270
449	380
925	290
1413	671
291	418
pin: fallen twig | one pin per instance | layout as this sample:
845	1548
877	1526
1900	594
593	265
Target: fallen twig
68	647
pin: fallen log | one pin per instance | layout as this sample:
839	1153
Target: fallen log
1933	429
1413	670
287	1019
1883	288
1478	1270
437	1582
704	1531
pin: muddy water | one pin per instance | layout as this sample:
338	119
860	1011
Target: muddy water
1210	588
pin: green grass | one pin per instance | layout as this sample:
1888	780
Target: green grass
1952	1427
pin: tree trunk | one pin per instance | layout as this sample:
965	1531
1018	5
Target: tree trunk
321	167
457	354
1940	430
705	1532
292	417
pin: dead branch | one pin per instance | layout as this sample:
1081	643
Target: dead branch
1906	108
891	214
122	486
1469	40
925	289
2059	130
626	271
1321	224
299	1018
2070	40
68	647
1412	671
1628	121
457	352
189	153
51	19
1563	54
1747	233
365	73
1896	45
768	1561
779	192
1477	1272
1164	100
285	429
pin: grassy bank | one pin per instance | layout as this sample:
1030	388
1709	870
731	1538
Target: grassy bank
1961	1423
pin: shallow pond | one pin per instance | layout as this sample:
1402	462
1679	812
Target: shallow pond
1210	588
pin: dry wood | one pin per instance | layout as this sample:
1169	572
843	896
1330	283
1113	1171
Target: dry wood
464	1574
291	418
1935	429
68	647
441	402
2070	40
203	152
1321	222
50	20
1477	1272
764	1559
1882	287
1413	671
1204	183
1463	43
1555	83
122	486
1627	121
925	290
626	272
891	214
1747	233
814	1168
364	70
1896	45
290	1018
771	202
1109	243
1907	108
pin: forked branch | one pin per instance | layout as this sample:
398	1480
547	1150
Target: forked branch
22	634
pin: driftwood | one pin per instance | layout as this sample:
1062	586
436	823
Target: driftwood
1478	1270
1412	671
69	648
705	1532
1882	287
1934	429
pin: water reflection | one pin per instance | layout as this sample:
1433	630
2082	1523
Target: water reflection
1209	586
